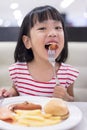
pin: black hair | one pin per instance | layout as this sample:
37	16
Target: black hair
39	14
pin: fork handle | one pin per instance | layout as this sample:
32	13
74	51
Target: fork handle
57	81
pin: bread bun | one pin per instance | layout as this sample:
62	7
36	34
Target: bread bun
57	107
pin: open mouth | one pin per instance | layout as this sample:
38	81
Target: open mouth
51	46
47	46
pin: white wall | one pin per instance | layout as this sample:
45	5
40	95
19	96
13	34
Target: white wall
6	59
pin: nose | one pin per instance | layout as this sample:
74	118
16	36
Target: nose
52	33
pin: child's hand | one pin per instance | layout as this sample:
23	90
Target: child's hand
61	92
5	93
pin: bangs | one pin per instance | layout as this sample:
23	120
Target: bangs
45	14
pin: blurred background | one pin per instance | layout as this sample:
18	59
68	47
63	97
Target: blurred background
12	12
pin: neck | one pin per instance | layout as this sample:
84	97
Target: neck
41	63
41	70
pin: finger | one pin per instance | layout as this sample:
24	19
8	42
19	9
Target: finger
6	94
60	88
2	91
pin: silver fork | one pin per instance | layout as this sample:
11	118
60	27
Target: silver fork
51	58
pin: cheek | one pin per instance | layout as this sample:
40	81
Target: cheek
61	43
62	40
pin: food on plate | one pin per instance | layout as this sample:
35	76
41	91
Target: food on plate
57	107
35	115
6	114
35	118
25	106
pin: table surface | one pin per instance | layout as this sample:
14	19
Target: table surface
83	123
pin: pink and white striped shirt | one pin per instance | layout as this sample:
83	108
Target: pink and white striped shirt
26	85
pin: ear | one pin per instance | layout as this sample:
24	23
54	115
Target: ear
26	41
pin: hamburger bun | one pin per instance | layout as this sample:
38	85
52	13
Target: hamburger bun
57	107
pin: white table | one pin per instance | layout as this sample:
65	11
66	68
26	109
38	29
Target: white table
83	124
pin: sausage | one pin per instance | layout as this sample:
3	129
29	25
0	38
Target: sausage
25	106
53	46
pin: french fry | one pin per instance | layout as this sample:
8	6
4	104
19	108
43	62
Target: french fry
29	112
35	118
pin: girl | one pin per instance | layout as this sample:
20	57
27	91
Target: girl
32	73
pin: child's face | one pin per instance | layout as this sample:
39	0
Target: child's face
45	33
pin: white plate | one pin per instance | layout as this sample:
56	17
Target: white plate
74	118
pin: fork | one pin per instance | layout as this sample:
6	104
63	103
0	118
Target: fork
51	58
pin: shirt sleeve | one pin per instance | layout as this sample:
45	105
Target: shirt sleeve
13	73
72	74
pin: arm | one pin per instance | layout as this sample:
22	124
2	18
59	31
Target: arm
64	93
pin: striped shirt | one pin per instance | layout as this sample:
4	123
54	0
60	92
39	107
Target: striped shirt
26	85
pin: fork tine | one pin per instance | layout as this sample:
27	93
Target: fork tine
51	55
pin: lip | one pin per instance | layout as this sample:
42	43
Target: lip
51	42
